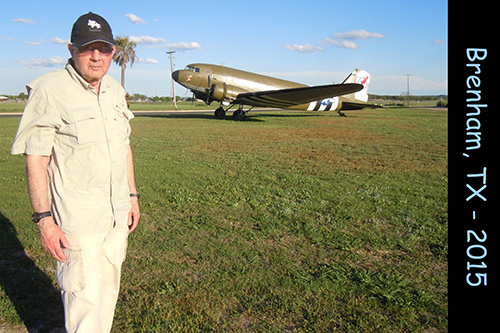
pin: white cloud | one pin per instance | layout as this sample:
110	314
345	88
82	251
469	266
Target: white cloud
344	43
5	37
57	40
51	62
349	45
147	61
184	46
358	34
345	39
24	20
306	48
134	18
147	40
438	41
33	43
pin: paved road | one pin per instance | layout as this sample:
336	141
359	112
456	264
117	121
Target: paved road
137	113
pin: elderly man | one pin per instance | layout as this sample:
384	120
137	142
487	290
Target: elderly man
75	133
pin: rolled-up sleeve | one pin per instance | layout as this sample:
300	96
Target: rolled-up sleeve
35	135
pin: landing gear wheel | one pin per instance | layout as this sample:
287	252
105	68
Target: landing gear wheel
239	114
220	113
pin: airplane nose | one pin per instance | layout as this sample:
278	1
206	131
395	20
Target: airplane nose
175	76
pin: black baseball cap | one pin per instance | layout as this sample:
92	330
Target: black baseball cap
91	28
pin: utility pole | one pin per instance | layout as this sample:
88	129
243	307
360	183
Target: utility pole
408	88
173	82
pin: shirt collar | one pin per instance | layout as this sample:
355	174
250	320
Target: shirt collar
70	68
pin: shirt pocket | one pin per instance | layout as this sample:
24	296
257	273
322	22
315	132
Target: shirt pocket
121	117
80	124
70	273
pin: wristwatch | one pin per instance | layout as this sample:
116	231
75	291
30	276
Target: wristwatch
36	217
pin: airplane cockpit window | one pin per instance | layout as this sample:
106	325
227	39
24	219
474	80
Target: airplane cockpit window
194	69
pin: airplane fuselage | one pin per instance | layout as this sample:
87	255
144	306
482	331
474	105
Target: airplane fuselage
226	82
226	85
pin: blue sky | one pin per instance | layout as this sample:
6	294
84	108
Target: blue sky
312	42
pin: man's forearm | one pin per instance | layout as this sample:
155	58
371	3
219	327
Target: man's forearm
130	171
51	236
36	172
134	214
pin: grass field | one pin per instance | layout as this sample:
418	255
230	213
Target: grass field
134	106
161	106
283	222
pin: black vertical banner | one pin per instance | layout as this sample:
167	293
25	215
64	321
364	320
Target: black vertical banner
473	166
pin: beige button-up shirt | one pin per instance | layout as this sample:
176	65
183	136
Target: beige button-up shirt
86	134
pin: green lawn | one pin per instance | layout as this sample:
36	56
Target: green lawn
134	106
286	221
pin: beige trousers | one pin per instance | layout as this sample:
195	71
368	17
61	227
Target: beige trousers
90	280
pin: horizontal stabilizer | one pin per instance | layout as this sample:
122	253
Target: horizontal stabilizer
284	98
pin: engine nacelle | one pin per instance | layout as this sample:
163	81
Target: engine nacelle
232	91
224	92
218	92
202	96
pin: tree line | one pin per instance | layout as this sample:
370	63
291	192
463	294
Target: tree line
125	53
411	97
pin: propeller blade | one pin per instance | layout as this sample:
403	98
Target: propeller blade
210	92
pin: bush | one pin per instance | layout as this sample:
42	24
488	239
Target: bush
442	102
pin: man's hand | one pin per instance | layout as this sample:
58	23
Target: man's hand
52	237
134	215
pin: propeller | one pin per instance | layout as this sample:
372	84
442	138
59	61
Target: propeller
210	90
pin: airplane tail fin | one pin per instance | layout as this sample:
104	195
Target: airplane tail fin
361	77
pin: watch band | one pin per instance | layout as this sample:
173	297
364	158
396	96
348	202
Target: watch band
36	217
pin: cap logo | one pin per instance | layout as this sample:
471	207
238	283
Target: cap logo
94	25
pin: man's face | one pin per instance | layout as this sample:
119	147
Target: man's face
92	61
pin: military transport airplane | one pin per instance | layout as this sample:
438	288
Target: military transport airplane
233	87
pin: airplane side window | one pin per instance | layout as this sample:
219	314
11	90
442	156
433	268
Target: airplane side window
196	70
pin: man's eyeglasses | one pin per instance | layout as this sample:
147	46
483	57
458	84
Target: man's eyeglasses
104	49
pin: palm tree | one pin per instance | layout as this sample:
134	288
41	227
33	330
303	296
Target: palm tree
125	52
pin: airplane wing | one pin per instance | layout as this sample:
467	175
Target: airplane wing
284	98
